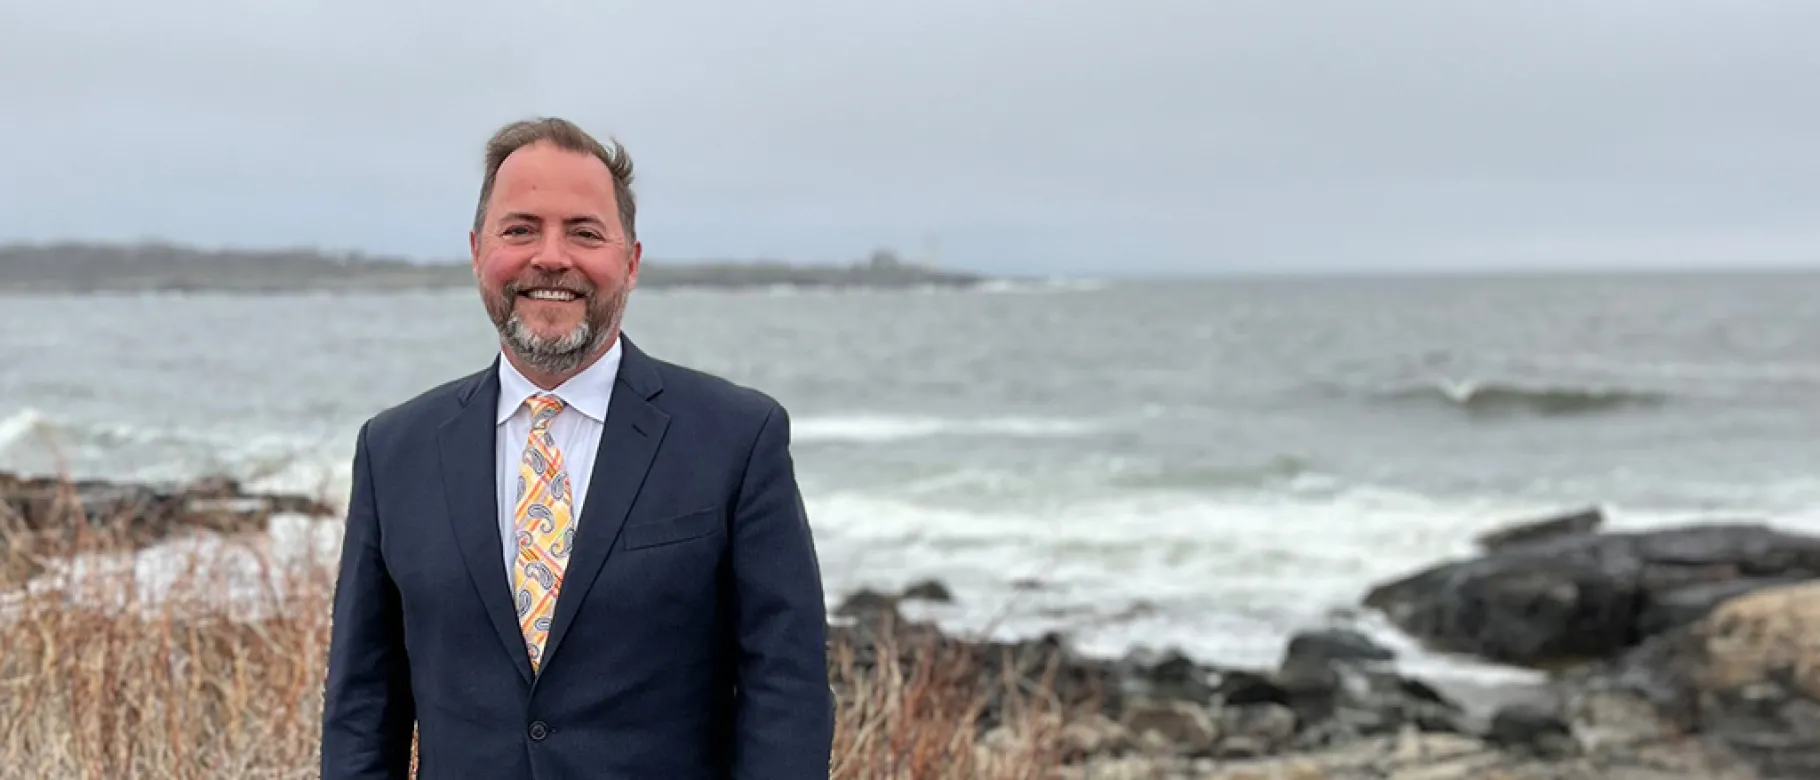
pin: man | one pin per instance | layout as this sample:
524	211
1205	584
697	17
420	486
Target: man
582	561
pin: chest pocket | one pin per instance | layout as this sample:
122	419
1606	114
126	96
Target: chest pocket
681	528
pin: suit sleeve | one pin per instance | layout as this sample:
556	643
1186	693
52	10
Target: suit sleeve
368	712
785	709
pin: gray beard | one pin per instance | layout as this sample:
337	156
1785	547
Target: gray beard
567	352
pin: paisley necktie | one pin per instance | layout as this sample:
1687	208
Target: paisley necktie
545	531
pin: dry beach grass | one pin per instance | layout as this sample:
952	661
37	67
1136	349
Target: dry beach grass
124	672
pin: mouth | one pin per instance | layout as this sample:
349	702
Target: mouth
550	294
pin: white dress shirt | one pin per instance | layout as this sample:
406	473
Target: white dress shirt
576	430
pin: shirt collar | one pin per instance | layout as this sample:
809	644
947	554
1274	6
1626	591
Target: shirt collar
587	392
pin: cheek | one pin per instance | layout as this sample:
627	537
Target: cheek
500	267
607	272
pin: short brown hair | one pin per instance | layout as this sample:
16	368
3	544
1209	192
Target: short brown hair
565	135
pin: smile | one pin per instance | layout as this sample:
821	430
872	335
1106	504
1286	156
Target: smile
546	294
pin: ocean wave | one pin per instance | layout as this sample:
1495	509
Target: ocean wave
877	428
1292	472
1683	371
1225	578
1502	397
32	440
19	426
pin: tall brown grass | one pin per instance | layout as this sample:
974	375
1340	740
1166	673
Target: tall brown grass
97	681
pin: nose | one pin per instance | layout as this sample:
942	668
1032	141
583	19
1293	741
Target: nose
552	254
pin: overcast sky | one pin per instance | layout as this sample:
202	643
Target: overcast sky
1069	136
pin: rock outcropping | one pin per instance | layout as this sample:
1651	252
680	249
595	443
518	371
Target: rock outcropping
1567	595
47	513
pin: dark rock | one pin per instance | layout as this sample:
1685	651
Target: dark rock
867	604
1576	598
1531	728
1677	607
1238	688
1334	644
1416	690
1313	689
1574	524
929	590
218	486
1519	608
1170	676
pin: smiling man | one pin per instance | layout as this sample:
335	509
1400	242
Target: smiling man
581	561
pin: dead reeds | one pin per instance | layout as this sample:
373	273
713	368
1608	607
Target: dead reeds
111	668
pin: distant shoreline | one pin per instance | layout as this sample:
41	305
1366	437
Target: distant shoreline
79	268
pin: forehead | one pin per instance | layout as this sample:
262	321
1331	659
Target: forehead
543	172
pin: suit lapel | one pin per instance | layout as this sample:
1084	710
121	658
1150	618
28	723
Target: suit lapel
470	486
628	444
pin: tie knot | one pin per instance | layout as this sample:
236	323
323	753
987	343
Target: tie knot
544	408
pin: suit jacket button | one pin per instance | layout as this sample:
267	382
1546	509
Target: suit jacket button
539	731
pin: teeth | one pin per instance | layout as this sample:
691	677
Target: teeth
552	295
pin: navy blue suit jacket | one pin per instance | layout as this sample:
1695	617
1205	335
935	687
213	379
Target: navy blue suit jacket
689	639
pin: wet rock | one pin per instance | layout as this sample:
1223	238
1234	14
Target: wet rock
1533	728
1333	645
929	590
867	604
1238	688
1578	598
1168	675
1680	606
1573	524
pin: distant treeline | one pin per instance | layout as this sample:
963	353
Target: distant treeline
93	267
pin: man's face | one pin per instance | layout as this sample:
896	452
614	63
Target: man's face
553	264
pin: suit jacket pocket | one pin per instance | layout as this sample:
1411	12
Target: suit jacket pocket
681	528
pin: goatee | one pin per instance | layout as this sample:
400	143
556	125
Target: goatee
567	352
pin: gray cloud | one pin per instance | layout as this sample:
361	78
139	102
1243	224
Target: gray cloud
1066	135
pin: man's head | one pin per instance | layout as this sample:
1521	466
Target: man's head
554	243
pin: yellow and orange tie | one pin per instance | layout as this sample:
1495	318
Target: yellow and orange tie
545	528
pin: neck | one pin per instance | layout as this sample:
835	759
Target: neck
548	380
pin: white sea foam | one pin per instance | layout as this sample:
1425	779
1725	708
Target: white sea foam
1227	580
889	428
20	426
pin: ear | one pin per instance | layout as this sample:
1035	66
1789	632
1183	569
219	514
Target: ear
474	250
637	255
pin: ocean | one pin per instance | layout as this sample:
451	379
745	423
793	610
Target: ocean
1204	465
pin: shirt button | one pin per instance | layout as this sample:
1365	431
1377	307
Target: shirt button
539	731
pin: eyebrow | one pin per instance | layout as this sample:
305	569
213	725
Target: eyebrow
585	219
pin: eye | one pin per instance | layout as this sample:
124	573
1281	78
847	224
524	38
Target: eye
590	234
515	230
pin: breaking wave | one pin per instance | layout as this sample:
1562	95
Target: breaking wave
1495	397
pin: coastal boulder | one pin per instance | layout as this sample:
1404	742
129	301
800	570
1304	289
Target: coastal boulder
1560	599
1754	672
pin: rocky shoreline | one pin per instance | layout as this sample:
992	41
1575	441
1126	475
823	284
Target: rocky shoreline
37	513
1682	652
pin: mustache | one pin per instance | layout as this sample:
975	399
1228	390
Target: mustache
562	282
